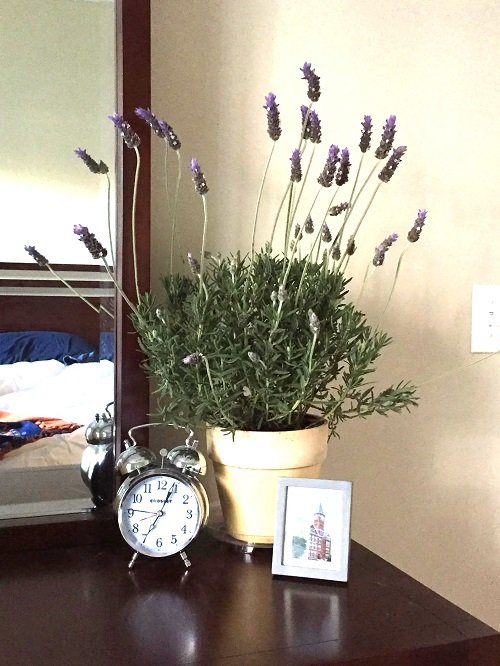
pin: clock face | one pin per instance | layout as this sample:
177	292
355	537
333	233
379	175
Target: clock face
160	513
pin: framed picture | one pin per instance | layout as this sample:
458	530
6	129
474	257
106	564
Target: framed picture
313	526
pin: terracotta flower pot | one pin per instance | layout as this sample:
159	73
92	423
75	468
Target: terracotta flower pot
247	469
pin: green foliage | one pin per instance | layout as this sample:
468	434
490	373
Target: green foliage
259	363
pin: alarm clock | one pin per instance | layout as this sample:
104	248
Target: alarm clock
161	506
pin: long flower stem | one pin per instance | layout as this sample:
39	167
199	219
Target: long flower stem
134	239
453	370
396	274
77	293
259	197
365	279
351	207
279	211
110	234
203	241
120	290
174	212
345	256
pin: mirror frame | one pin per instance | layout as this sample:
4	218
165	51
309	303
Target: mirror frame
133	84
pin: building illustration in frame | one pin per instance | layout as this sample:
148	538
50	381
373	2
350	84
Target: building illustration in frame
319	542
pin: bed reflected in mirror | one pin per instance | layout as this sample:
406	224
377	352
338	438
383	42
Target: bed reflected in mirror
57	352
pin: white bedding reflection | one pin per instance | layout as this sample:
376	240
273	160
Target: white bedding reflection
48	469
49	388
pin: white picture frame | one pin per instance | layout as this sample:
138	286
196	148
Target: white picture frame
313	528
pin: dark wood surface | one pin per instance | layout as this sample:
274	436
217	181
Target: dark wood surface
79	606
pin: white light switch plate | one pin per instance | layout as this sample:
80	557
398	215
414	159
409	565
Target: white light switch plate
485	329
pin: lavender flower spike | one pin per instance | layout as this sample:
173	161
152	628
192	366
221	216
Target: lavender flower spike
314	127
381	249
198	177
90	241
296	170
273	117
149	117
387	138
39	258
339	208
192	359
172	138
90	163
364	142
130	137
416	230
327	175
313	89
392	163
314	323
342	174
326	235
194	264
306	126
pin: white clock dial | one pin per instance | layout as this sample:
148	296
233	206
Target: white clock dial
159	514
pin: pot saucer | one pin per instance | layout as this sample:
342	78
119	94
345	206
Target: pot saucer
218	531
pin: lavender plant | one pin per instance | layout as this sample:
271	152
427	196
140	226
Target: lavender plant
260	341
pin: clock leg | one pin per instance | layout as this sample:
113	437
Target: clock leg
132	561
185	559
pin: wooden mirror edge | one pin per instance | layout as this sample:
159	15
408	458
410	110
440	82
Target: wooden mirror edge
133	39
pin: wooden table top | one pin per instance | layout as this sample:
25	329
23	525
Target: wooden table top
81	605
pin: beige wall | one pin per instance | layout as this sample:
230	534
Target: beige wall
57	86
426	484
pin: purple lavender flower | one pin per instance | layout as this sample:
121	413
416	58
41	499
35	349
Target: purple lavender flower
306	122
351	246
273	117
387	138
296	170
171	137
342	174
314	323
192	359
309	225
381	249
90	241
339	208
130	137
314	127
161	128
416	230
364	142
313	90
34	254
335	251
327	175
149	117
198	177
326	235
194	264
392	163
90	163
296	232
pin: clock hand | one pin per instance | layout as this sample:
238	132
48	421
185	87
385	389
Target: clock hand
159	513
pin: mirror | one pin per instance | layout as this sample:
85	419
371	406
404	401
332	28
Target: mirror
132	75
